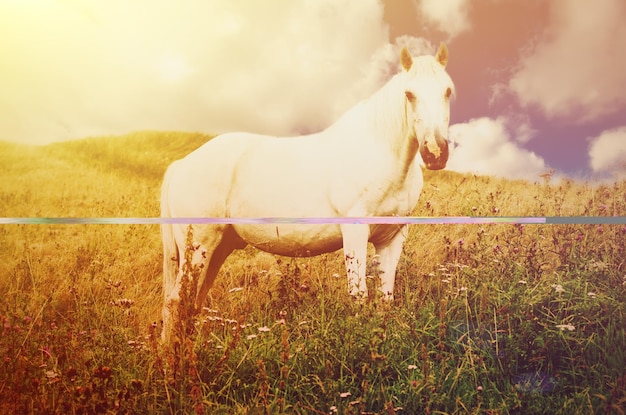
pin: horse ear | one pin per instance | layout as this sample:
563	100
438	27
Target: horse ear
442	54
405	59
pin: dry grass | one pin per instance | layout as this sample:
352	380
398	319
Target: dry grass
481	322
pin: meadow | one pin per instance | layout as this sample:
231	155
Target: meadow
487	319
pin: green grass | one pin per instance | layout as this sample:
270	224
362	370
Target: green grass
488	319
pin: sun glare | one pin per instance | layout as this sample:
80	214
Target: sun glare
173	68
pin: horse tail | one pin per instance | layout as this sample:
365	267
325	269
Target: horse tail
171	257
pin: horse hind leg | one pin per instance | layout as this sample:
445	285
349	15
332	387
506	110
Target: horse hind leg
173	310
200	259
229	242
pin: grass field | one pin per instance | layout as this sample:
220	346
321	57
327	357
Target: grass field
488	319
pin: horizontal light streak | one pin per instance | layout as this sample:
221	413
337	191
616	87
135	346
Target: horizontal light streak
371	220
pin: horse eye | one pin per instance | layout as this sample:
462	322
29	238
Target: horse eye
410	96
448	92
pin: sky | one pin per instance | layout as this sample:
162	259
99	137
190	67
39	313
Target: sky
540	85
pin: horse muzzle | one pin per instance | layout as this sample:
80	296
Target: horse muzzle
435	152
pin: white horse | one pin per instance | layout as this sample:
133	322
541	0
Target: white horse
362	165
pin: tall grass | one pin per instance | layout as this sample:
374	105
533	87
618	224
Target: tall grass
497	319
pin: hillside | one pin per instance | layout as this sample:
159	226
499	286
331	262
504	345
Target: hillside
94	177
120	176
487	318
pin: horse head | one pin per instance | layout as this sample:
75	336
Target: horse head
428	89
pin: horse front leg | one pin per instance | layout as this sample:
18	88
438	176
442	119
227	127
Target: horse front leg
355	254
389	255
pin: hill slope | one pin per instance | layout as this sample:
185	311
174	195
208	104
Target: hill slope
120	176
95	177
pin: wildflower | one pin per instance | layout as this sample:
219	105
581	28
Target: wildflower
123	302
479	388
251	336
264	329
591	294
463	289
411	367
210	318
558	288
136	344
523	282
597	266
344	394
102	372
446	280
376	260
564	327
52	376
71	373
333	409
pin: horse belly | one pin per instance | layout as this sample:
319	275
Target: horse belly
294	240
383	234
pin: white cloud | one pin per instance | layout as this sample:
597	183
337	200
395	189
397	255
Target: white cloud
77	69
449	16
483	146
607	152
577	66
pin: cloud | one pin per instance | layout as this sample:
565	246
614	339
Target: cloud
483	146
450	16
577	66
607	152
75	69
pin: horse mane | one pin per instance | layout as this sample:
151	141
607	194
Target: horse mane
386	111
